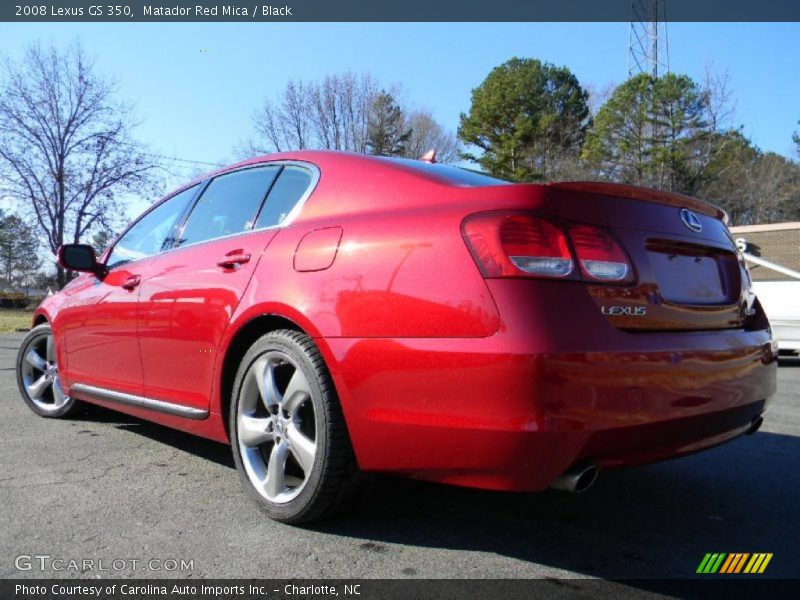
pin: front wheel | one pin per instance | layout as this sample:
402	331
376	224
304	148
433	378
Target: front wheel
38	378
289	438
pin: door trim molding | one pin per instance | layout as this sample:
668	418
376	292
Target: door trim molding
170	408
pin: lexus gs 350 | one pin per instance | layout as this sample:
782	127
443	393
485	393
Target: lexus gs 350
333	315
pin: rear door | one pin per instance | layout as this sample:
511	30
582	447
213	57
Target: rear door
188	298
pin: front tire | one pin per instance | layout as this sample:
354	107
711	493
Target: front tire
38	378
289	438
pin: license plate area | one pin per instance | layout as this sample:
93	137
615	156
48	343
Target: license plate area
692	274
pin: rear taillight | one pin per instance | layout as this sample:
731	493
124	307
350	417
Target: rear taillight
600	257
514	245
524	245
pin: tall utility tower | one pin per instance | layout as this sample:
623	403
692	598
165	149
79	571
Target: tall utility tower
648	50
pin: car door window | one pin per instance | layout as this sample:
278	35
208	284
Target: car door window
228	205
284	195
153	231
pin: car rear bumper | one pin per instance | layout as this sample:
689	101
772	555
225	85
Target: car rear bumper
514	410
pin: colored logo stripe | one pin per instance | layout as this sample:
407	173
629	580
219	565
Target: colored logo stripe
758	563
721	562
727	564
711	563
734	563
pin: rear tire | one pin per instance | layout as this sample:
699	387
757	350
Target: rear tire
38	378
288	434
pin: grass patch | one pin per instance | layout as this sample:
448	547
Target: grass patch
11	319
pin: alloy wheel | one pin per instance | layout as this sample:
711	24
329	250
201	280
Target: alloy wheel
276	427
39	373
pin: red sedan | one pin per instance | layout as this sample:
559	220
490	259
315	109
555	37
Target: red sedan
332	315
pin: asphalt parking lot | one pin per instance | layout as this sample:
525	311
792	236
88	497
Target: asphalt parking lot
109	487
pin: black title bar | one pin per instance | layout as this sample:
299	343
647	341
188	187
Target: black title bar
390	10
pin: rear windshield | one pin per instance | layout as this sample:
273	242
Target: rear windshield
448	173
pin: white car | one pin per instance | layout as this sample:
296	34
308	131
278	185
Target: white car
780	300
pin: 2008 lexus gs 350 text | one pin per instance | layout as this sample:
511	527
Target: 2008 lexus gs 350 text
334	315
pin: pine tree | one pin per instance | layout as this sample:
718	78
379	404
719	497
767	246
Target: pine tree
19	258
386	133
528	118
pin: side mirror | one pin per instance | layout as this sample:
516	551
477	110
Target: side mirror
80	257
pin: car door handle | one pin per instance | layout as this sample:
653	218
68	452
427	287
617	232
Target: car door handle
232	259
132	282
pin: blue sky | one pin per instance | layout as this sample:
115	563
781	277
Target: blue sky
195	86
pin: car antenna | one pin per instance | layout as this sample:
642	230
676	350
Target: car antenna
429	156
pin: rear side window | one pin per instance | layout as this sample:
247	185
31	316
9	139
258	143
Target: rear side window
153	231
285	194
228	205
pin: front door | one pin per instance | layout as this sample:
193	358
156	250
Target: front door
97	326
99	322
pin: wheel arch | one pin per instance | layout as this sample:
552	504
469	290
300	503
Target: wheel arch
240	342
40	316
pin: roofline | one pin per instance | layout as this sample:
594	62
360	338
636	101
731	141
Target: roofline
318	158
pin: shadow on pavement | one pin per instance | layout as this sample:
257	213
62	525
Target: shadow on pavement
207	449
655	522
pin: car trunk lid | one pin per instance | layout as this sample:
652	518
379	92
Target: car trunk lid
689	275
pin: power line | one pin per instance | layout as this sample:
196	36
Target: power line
183	160
175	158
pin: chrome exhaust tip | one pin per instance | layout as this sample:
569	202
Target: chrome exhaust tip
576	479
755	425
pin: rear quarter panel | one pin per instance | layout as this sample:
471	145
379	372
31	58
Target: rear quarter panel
396	274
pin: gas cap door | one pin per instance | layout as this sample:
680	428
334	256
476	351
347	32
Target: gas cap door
317	249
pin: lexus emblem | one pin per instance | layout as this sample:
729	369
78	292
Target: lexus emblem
691	220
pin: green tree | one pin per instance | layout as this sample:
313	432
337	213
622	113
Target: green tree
526	118
796	138
19	247
706	158
387	134
646	130
750	185
774	189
